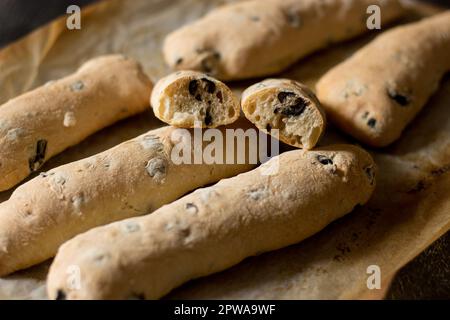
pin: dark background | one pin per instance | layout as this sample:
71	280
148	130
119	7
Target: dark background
426	277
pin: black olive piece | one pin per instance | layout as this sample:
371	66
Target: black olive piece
208	63
283	95
208	118
293	19
179	61
372	122
399	98
296	109
185	232
324	160
60	295
36	162
219	96
205	66
209	85
193	86
190	205
198	97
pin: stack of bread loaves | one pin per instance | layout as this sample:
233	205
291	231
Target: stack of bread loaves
136	223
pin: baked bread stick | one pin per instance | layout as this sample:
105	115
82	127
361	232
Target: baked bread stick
215	228
42	123
376	93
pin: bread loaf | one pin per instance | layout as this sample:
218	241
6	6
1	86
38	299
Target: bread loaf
131	179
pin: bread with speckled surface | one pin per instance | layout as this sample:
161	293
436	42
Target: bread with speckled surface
284	201
39	124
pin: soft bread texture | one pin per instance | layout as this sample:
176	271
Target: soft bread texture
131	179
42	123
191	99
215	228
375	93
259	38
287	106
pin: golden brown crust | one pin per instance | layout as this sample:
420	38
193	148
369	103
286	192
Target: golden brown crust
189	99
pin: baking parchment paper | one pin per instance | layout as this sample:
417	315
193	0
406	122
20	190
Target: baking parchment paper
409	210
